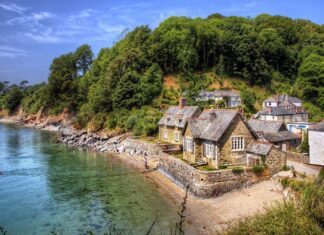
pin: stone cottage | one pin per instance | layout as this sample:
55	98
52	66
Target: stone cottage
217	137
264	151
173	122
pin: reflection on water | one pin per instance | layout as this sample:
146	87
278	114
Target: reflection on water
46	186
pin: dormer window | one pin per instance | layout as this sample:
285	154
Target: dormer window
179	121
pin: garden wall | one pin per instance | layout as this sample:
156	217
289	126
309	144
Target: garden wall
206	184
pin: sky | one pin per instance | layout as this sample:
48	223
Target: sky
34	32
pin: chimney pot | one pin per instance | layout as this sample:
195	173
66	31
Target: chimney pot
182	102
212	116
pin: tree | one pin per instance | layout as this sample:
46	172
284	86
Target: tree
61	85
12	98
310	82
248	100
23	84
83	58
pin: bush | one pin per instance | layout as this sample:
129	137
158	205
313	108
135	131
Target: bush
258	169
280	219
285	168
237	170
222	166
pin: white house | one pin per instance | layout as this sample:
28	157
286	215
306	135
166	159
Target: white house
232	98
316	144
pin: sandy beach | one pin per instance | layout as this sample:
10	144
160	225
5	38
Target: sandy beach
211	216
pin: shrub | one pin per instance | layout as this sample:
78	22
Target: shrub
237	170
222	166
280	219
258	169
285	168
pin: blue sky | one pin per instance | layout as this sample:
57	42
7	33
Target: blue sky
33	32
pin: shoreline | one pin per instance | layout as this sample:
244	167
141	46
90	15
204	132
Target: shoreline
203	216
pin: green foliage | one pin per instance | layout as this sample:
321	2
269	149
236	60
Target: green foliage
223	166
258	169
280	219
12	99
35	98
237	170
276	52
304	147
248	100
310	81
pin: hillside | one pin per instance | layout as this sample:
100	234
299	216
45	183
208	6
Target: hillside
127	86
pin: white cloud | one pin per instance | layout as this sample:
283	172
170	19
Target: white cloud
32	18
11	52
13	8
45	36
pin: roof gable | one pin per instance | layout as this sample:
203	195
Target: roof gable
266	126
212	128
177	117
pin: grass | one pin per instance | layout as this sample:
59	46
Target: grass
206	168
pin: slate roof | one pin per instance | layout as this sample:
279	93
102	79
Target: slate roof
259	148
205	127
175	113
280	136
317	127
266	126
277	111
283	97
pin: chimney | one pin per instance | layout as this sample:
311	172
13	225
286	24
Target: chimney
212	116
182	102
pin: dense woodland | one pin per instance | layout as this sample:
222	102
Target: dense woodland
123	86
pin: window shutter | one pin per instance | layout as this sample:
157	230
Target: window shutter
184	144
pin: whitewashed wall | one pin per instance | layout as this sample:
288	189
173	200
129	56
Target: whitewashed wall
316	147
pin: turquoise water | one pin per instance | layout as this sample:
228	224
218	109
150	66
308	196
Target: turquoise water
47	187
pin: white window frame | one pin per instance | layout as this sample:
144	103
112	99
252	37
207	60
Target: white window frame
176	137
165	134
238	143
189	145
209	150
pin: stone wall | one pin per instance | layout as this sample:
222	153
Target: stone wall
276	160
297	157
205	184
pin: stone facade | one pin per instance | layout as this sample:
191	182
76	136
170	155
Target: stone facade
206	184
171	135
223	153
275	160
237	129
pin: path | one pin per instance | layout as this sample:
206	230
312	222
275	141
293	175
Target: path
303	168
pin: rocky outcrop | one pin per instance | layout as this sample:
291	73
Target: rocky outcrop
118	144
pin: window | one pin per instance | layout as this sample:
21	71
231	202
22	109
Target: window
209	150
189	145
237	143
165	135
176	136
